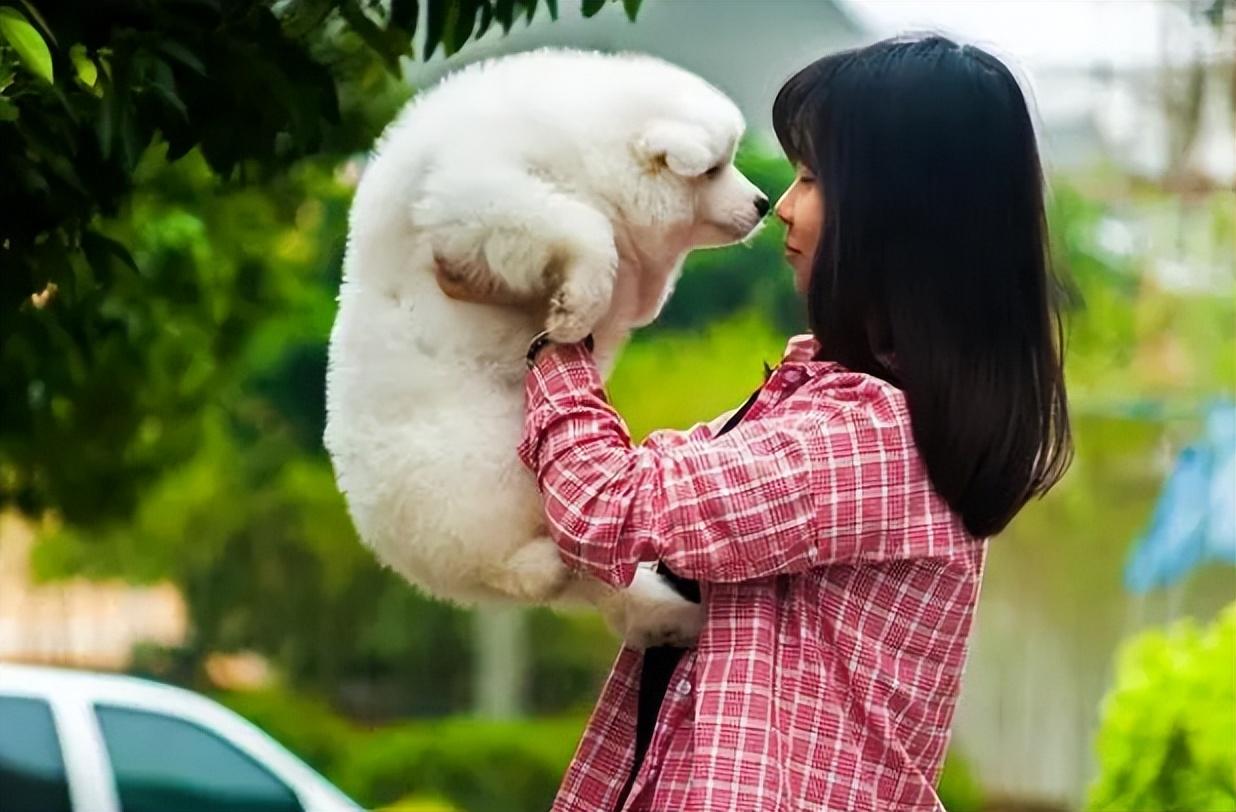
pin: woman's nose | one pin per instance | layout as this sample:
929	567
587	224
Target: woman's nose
783	208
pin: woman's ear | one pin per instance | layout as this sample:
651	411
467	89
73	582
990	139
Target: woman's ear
682	147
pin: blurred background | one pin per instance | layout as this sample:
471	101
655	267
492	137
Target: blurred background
177	179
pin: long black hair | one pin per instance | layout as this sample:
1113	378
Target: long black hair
932	270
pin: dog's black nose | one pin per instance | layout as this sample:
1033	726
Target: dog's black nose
761	205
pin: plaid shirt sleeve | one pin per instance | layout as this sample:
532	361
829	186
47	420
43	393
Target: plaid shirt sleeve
792	490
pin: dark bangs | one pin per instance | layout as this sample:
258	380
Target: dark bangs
797	110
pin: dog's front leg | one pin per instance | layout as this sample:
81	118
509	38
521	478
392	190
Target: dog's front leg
582	279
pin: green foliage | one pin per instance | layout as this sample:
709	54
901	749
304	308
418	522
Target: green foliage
571	653
1168	735
1128	337
474	765
477	765
27	43
958	789
308	727
672	380
420	803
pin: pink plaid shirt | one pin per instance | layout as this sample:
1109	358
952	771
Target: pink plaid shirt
838	589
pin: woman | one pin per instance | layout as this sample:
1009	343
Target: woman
836	525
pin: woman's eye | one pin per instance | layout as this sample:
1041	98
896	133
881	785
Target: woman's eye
806	178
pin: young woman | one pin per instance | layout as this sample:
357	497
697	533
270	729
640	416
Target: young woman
836	524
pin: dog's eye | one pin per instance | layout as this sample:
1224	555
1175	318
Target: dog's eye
714	171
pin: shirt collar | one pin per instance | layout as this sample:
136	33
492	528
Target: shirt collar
801	349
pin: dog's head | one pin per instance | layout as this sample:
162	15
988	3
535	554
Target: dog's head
688	177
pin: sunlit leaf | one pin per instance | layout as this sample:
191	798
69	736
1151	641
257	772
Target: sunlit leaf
26	42
87	71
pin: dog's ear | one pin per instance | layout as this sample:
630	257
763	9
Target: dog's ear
682	147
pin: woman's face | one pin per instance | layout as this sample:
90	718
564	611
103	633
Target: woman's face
801	208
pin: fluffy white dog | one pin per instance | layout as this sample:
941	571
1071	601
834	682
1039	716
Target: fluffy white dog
574	182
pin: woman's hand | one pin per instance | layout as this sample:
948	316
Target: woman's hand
464	287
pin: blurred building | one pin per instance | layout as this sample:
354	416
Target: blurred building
77	622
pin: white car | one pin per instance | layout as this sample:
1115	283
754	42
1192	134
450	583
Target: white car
74	741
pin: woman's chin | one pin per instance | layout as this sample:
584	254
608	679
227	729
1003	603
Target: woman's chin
802	279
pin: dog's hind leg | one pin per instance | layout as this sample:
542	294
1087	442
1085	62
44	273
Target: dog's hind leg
533	573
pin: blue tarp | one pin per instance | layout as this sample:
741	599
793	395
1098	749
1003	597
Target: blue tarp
1195	519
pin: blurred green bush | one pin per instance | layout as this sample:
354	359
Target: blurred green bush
474	765
958	789
1168	735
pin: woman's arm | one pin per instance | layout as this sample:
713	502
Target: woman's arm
834	483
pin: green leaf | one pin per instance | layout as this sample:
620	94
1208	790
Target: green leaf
632	8
591	7
487	18
8	110
387	47
552	5
38	18
463	22
27	42
105	127
301	17
163	83
504	13
436	24
87	71
183	55
99	248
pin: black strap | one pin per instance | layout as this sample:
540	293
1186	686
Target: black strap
660	661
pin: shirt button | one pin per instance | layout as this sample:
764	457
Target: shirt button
793	376
684	687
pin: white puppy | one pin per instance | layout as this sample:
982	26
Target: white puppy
576	181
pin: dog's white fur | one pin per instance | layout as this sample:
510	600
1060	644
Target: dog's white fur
577	179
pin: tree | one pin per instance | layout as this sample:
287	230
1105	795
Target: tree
99	398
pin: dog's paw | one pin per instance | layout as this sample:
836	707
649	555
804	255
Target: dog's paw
571	318
566	327
651	613
676	624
